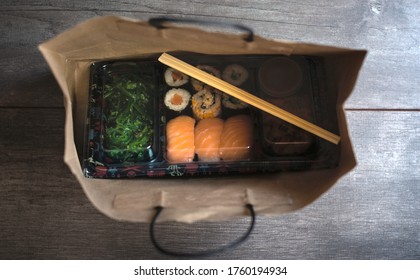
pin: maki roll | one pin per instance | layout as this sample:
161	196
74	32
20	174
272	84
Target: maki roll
174	78
235	74
198	85
177	99
232	102
206	104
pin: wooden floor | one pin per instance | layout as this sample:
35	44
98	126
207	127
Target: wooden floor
372	213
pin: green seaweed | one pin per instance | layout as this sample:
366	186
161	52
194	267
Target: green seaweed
129	131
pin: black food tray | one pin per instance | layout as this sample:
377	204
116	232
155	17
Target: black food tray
127	119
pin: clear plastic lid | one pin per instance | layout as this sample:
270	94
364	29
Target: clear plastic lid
146	119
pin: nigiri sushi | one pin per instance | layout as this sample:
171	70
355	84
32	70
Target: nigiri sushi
180	139
236	138
207	139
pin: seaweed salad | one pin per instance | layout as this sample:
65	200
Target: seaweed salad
128	112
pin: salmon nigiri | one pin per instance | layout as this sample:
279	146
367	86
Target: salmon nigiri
180	139
207	139
236	138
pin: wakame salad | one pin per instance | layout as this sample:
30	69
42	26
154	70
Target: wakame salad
129	125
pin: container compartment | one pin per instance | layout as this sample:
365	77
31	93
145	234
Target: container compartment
123	124
221	128
286	83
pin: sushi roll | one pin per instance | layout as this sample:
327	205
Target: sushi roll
180	139
235	74
198	85
236	138
177	99
207	139
206	104
232	102
174	78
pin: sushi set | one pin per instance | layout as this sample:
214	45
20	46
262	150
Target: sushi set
147	119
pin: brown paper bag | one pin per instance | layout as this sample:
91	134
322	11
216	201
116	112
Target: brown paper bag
189	199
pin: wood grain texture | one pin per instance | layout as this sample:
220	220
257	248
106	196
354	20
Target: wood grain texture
372	213
387	29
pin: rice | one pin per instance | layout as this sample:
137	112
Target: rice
177	99
235	74
174	78
232	102
198	85
206	104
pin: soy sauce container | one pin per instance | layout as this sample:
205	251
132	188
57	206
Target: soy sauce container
280	77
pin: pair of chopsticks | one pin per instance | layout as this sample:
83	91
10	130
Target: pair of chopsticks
251	99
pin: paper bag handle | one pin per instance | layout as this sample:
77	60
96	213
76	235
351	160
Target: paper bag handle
159	21
202	253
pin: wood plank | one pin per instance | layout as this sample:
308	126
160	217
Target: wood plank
27	81
386	28
372	213
344	23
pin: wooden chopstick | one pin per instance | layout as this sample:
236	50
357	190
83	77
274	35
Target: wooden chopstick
251	99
